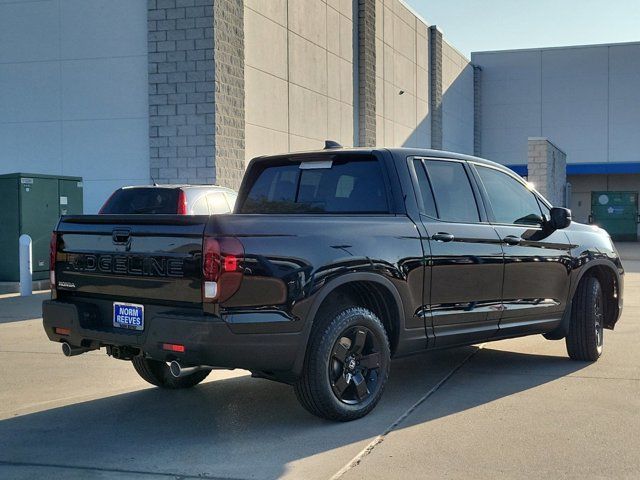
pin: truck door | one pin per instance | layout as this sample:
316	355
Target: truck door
537	261
466	259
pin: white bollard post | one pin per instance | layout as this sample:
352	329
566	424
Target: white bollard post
26	269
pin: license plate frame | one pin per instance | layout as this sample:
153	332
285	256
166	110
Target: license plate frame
128	321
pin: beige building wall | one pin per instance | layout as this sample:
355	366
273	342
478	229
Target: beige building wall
457	101
402	56
299	87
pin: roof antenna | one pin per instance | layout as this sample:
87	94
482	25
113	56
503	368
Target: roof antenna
329	144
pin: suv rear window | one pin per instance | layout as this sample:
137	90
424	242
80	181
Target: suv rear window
142	200
351	184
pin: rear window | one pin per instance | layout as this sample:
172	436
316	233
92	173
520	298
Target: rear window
343	185
142	200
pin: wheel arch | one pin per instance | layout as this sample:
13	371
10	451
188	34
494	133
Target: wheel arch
611	283
369	290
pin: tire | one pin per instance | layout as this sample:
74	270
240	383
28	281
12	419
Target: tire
346	365
157	373
586	327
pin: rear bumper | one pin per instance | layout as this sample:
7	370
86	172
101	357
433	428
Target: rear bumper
208	339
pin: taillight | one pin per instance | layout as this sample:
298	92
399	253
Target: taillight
182	203
53	250
221	268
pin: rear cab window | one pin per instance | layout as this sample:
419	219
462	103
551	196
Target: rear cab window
337	184
140	200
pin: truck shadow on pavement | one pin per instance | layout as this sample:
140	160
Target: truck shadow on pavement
251	428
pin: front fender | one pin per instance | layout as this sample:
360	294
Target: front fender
586	265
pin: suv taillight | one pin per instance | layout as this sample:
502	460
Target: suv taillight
221	268
53	250
182	203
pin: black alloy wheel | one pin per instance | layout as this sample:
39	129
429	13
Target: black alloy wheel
346	364
585	336
598	317
355	364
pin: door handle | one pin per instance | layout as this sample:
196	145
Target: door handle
512	240
442	237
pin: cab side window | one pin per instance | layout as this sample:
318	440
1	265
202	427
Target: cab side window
454	198
428	202
511	202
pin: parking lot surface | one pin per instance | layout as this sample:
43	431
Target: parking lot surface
507	409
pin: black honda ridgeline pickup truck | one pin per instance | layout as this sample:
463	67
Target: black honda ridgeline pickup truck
334	262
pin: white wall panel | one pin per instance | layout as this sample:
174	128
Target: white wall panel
86	60
19	39
102	28
111	143
34	147
104	88
585	99
29	92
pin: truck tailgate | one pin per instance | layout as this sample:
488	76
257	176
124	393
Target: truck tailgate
149	258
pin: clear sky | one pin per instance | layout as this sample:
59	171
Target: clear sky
476	25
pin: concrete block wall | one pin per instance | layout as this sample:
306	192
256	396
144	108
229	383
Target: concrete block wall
181	91
547	169
228	87
435	85
477	111
366	75
299	74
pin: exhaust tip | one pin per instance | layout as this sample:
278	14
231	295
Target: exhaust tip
66	349
175	368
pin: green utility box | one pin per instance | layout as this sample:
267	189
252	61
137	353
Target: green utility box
617	213
32	204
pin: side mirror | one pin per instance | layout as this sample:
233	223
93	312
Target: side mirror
560	218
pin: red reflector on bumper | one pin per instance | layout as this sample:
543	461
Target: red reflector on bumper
173	347
62	331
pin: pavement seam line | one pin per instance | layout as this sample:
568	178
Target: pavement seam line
355	461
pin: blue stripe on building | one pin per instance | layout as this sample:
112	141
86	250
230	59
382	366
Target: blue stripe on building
608	168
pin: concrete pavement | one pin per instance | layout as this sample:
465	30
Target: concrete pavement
510	409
